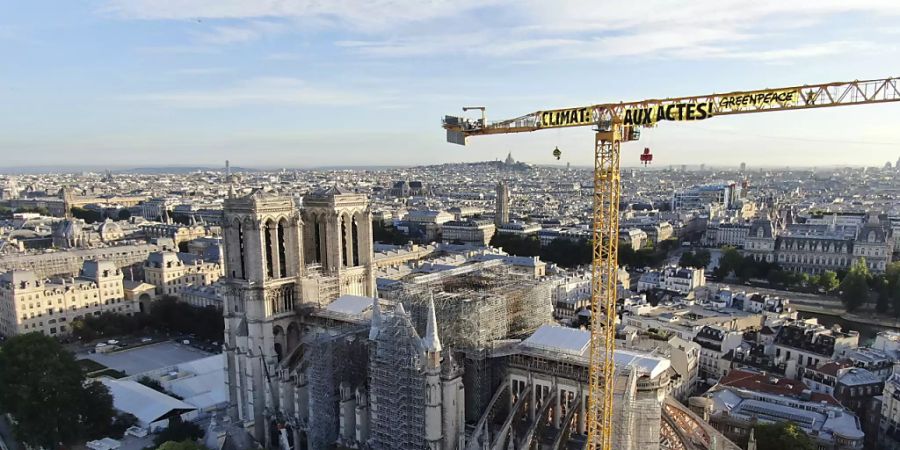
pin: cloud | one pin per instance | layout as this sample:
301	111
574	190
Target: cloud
534	30
201	71
360	15
235	34
702	29
179	49
805	51
258	91
284	56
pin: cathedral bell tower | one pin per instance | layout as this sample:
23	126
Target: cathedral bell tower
337	238
263	266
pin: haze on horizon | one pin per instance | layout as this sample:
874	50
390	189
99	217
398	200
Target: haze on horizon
296	83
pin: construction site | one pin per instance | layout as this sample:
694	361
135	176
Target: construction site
470	358
478	306
462	356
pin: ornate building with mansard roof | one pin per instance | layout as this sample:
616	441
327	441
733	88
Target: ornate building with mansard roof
815	247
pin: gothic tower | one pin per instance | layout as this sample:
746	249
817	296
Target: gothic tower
338	238
263	267
501	215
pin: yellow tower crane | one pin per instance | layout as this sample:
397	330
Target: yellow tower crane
615	123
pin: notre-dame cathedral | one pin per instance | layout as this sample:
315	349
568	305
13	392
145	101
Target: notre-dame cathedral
302	328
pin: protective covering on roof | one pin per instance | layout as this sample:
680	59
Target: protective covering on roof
560	339
575	342
353	305
144	403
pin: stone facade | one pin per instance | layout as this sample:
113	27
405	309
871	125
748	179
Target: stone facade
478	232
172	272
31	304
815	248
280	261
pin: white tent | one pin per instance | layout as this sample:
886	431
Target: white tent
152	408
205	389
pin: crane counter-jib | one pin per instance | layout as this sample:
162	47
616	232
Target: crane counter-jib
648	113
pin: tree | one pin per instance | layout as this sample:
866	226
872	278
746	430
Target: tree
178	431
565	252
828	281
124	214
698	260
122	422
42	387
892	277
731	261
183	445
97	410
782	436
387	235
107	325
151	383
687	259
702	257
720	272
88	215
883	301
518	245
855	287
83	331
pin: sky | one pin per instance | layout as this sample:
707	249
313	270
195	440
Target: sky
307	83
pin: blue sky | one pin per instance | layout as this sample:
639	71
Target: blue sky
303	83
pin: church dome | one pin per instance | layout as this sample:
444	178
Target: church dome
110	230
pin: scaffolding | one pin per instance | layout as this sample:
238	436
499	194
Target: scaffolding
397	385
333	359
325	287
476	307
528	306
637	412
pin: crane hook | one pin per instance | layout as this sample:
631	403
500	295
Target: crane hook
557	153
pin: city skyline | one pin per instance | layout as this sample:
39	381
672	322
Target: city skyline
338	289
292	84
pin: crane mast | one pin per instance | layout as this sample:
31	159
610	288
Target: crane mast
615	123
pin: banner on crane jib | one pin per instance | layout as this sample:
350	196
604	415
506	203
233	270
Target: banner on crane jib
648	116
651	114
754	100
571	117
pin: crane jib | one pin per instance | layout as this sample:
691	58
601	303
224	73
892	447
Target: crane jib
648	114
